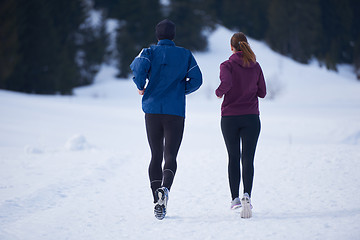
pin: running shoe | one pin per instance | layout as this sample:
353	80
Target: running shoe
236	203
246	211
160	206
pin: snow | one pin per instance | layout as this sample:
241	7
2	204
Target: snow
76	167
76	143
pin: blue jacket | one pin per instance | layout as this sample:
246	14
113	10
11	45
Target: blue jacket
172	73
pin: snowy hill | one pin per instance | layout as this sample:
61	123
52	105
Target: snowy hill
76	167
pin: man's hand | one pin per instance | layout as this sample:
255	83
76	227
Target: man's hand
141	92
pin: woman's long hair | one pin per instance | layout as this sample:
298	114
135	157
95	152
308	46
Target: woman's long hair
240	43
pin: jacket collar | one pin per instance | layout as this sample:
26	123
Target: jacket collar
166	42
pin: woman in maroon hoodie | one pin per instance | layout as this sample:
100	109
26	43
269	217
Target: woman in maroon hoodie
242	82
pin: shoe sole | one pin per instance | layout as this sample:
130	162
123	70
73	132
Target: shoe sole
236	207
160	208
246	211
159	211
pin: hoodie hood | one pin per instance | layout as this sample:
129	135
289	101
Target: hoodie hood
238	58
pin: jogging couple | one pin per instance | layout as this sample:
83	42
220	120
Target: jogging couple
164	74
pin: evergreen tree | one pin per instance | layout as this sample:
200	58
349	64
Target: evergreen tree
92	41
191	21
336	24
51	46
248	16
136	30
355	33
137	24
112	8
294	28
67	16
9	42
36	43
41	43
211	11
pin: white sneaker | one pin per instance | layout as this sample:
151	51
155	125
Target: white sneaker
246	211
236	203
160	206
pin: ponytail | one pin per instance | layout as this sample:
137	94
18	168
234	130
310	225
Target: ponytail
240	43
248	54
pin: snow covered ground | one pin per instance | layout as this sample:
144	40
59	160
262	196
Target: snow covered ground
76	167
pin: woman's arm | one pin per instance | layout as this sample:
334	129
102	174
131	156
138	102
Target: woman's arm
261	85
225	80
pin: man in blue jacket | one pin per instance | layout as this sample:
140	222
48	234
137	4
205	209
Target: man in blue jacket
164	74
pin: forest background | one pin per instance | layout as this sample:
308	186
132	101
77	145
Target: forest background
51	47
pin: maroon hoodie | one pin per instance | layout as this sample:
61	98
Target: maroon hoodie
241	85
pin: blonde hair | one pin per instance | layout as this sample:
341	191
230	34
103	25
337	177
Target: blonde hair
240	43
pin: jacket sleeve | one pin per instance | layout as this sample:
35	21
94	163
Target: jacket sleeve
141	67
225	79
261	85
193	76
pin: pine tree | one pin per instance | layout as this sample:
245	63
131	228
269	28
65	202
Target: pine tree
191	21
336	23
248	16
45	36
355	33
67	16
136	31
294	28
91	41
36	41
9	41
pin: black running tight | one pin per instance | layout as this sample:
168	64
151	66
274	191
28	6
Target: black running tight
164	134
244	129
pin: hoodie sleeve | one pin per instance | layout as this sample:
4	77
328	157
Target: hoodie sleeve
261	85
193	76
141	67
225	79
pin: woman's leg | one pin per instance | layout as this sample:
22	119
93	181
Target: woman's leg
231	134
249	137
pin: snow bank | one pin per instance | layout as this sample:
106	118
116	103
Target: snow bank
77	142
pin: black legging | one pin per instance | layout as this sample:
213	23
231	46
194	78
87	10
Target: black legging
164	134
247	129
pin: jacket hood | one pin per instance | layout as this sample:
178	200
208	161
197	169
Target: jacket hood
238	58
